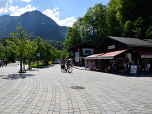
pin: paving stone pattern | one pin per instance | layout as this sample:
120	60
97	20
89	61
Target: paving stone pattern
48	91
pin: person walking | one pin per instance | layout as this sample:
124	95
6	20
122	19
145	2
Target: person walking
5	62
67	63
0	63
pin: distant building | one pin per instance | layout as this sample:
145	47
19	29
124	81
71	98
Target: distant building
78	52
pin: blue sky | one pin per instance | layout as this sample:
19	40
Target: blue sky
64	12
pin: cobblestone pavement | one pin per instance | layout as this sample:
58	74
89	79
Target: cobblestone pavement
48	91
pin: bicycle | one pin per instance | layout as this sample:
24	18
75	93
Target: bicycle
64	69
71	65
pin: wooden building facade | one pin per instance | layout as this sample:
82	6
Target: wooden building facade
117	54
84	49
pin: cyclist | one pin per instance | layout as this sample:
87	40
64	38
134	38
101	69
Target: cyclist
67	63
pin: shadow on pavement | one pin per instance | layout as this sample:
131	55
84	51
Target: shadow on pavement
16	76
139	74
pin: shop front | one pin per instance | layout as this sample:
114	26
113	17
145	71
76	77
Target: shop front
123	58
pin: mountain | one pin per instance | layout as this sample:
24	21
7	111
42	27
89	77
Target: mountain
36	24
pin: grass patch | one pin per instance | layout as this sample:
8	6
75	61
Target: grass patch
40	64
29	68
22	72
50	62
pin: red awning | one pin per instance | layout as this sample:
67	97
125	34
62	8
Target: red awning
93	56
109	55
145	53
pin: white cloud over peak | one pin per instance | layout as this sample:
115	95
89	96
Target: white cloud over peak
16	11
4	5
26	0
54	14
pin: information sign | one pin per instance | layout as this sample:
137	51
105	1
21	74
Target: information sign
76	56
38	54
133	69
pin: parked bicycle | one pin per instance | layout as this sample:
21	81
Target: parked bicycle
64	69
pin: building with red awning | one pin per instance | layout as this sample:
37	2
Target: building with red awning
121	53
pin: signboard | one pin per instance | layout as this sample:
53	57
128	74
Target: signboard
76	56
111	47
38	54
133	69
87	51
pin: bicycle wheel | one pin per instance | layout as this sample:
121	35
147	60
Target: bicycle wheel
70	69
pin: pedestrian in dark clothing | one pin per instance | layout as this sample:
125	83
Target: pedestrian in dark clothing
5	62
46	63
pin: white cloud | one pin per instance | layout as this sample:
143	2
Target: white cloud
54	14
3	5
16	11
26	0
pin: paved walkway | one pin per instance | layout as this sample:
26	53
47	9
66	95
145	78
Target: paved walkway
48	91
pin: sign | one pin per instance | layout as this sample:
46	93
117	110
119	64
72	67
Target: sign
76	56
38	54
77	53
133	69
111	47
87	51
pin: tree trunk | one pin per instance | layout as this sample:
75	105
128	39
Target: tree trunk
29	64
21	63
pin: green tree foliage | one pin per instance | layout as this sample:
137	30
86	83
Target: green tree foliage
21	45
47	52
149	32
127	29
137	11
113	19
19	42
2	51
91	28
127	18
72	37
30	51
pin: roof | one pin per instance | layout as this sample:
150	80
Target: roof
84	43
149	40
132	42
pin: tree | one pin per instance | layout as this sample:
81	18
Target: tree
95	24
2	51
19	42
30	51
138	28
137	11
91	28
127	29
72	37
113	19
149	32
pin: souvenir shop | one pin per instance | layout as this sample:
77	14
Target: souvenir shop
119	54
